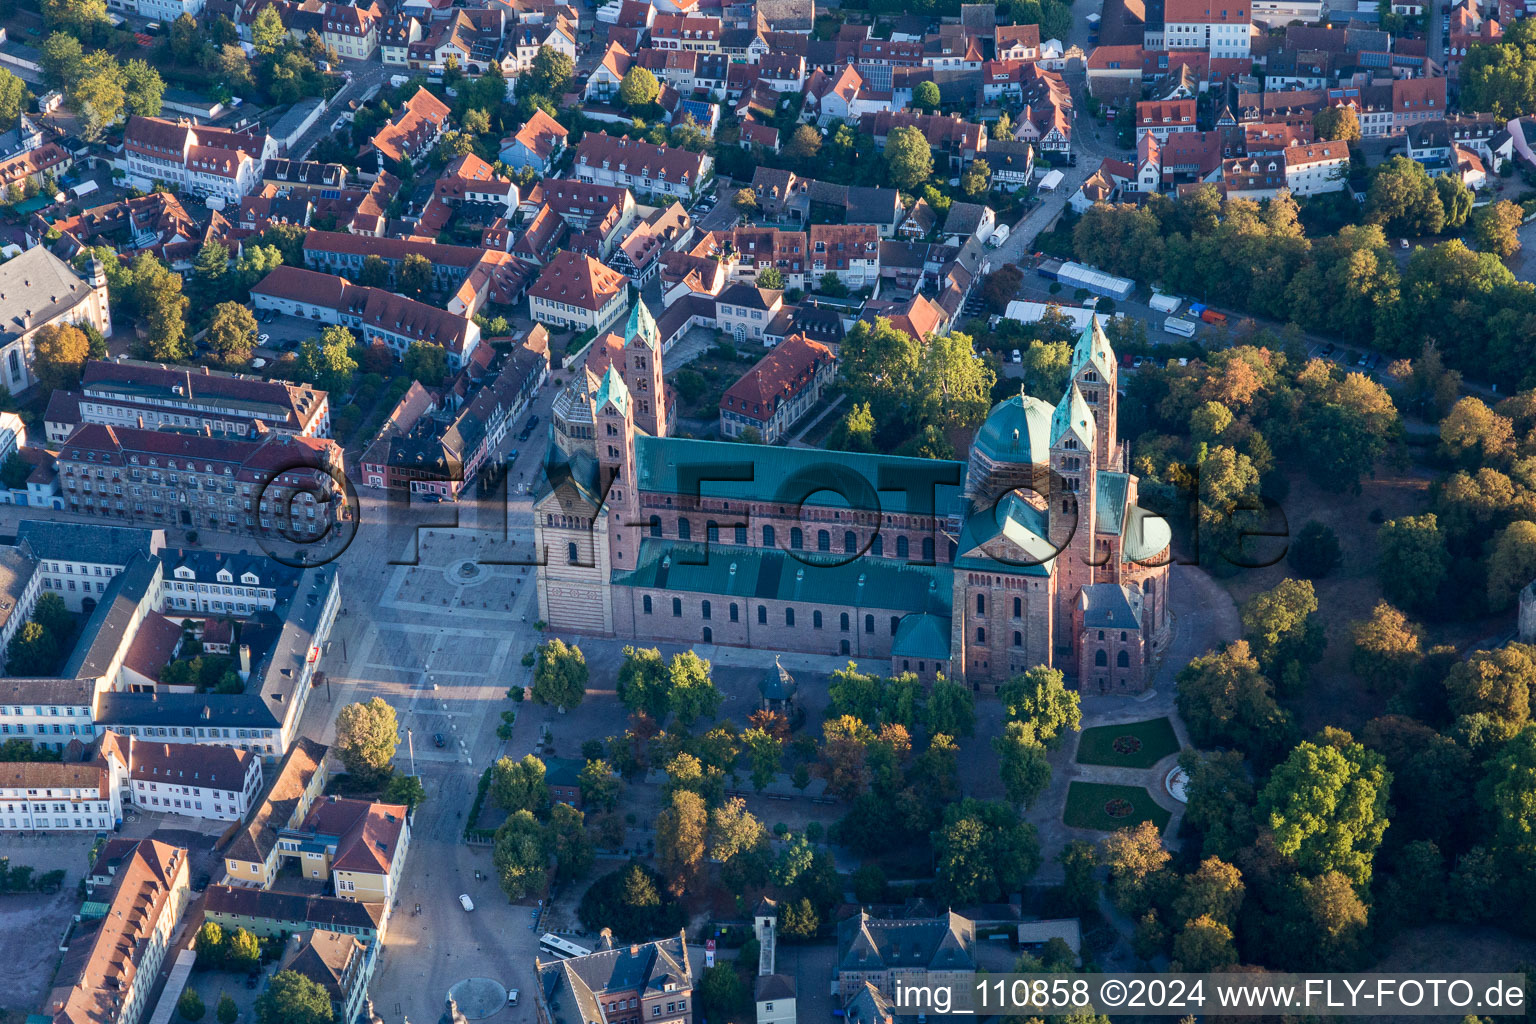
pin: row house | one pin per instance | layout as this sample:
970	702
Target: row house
251	859
1222	28
213	162
642	166
1316	167
641	982
1162	118
1468	28
1186	158
472	276
671	67
395	38
280	484
857	43
1253	178
381	316
684	32
64	796
472	39
782	72
952	49
638	255
357	846
352	31
744	45
74	560
748	251
1107	184
411	133
849	251
216	583
198	780
955	142
744	311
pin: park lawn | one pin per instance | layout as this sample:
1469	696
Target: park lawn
1097	745
1086	800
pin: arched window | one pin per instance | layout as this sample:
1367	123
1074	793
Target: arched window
901	547
842	622
684	529
789	616
762	615
741	533
1123	660
895	624
705	610
570	553
927	549
709	635
712	532
842	647
981	635
767	536
735	614
1122	635
981	604
823	540
1018	607
1018	639
1101	634
677	607
816	620
1100	658
796	539
655	526
869	623
645	603
877	546
850	543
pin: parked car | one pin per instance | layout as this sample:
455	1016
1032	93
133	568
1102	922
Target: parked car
264	338
465	902
512	998
439	740
1016	356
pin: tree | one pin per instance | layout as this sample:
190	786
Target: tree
1022	762
800	920
14	98
908	159
983	852
1475	435
1204	944
1284	631
569	842
691	692
1224	698
1387	647
374	273
745	202
232	66
232	333
210	946
638	89
1495	228
1456	198
59	354
228	1011
190	1006
61	57
1214	889
733	829
291	997
765	756
1498	76
520	855
1327	808
926	96
426	362
477	122
1508	796
158	295
550	73
976	181
1079	886
681	830
519	785
32	651
366	737
950	709
770	277
1329	921
243	951
328	364
1041	699
1512	564
415	276
1412	560
267	31
804	144
643	684
1137	865
1339	123
1315	551
844	756
721	993
1403	200
560	675
956	384
143	89
1494	683
212	261
599	786
404	789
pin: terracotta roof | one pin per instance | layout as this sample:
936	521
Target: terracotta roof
578	281
780	375
639	158
421	118
368	833
1205	12
304	760
541	134
190	764
377	307
154	644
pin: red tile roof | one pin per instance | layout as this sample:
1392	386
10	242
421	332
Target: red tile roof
578	281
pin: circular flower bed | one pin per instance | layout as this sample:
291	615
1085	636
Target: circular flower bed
1119	807
1126	744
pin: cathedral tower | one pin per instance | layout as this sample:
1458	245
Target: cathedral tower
1075	440
642	371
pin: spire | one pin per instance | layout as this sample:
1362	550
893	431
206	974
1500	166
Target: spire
1072	414
612	389
643	325
1093	348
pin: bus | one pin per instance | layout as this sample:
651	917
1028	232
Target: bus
553	944
1183	328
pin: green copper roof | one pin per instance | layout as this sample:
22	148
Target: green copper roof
922	636
1093	347
1146	534
1018	429
612	389
789	476
1109	502
642	323
773	575
1072	413
1021	524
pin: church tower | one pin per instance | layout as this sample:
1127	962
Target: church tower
1097	377
642	371
1075	441
614	408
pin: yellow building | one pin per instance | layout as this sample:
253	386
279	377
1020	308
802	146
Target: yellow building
251	859
360	846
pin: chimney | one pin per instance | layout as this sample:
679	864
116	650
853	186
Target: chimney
605	939
245	662
634	950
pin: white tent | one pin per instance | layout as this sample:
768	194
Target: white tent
1051	181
